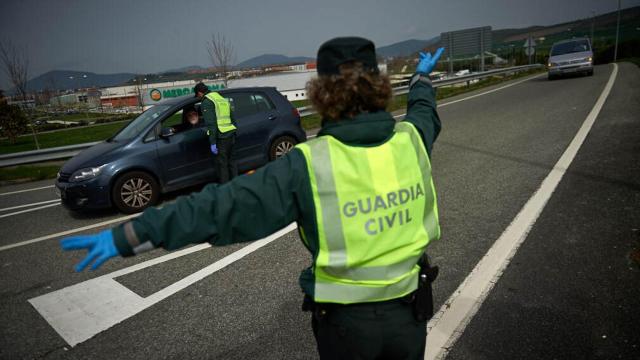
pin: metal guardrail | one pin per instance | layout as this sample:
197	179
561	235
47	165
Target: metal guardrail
34	156
467	78
63	152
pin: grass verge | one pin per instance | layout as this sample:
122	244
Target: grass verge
61	138
24	173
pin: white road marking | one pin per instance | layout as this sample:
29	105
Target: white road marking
480	94
28	210
28	205
67	232
81	311
452	318
21	191
491	91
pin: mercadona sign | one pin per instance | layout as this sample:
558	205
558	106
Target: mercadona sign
155	96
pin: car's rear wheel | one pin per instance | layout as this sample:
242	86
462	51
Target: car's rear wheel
135	191
281	146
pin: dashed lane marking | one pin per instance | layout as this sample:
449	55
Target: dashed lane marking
29	205
26	190
28	210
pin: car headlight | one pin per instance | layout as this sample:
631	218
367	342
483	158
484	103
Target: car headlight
552	64
86	173
589	59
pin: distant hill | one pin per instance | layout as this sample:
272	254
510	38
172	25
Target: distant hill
183	69
603	24
402	48
66	79
406	48
272	59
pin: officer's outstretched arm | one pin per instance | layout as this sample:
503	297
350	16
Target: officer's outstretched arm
248	208
421	104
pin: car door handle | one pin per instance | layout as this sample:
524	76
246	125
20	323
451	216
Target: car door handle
272	117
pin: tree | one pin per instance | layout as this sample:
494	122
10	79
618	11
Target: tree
222	55
13	122
16	66
139	91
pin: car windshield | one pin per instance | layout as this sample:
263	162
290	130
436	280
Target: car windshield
570	47
140	123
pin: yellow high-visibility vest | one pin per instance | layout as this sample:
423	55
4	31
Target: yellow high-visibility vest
376	213
223	112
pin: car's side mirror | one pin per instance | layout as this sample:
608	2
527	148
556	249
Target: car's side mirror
167	132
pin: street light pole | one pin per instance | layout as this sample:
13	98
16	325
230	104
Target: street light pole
615	51
593	24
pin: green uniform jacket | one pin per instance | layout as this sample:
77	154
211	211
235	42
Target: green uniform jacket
210	120
254	206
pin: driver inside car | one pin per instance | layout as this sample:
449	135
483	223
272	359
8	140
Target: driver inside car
190	120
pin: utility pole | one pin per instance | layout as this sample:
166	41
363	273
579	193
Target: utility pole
593	24
450	50
615	51
529	52
482	49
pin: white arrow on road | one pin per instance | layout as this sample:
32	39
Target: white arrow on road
81	311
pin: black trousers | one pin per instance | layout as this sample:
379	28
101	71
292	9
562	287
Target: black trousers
225	161
385	330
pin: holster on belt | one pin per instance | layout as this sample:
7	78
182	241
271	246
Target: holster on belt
319	310
423	296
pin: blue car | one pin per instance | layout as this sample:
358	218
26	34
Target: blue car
156	153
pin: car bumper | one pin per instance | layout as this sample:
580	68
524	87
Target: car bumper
83	195
572	68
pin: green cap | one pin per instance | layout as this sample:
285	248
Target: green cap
342	50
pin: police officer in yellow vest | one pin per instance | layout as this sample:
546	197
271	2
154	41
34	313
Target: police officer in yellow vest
361	193
221	130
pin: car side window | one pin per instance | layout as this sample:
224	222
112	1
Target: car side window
153	134
262	102
173	120
246	104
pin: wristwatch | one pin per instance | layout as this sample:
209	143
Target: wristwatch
419	77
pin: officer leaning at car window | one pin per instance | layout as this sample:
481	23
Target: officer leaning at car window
361	194
216	111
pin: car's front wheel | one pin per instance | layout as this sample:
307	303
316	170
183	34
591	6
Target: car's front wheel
135	191
281	146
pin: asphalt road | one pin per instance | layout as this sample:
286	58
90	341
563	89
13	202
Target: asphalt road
492	155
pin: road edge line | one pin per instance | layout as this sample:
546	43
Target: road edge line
450	321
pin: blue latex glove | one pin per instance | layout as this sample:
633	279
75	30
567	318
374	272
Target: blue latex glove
101	248
214	149
428	62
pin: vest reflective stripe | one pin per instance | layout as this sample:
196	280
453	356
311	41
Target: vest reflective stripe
349	294
431	223
376	212
223	112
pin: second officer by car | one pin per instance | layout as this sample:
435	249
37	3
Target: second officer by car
216	111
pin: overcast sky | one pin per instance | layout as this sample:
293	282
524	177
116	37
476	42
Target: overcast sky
110	36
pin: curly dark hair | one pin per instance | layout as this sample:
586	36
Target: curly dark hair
350	93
